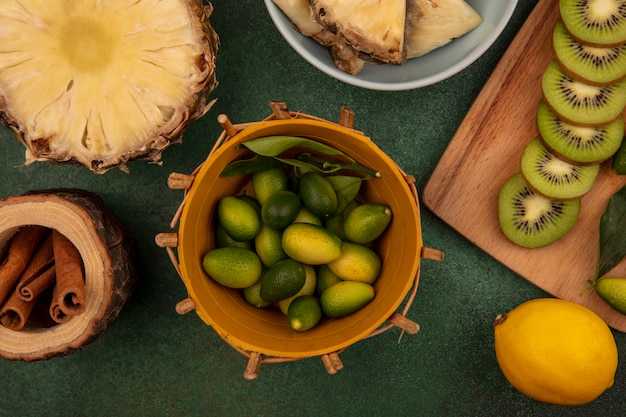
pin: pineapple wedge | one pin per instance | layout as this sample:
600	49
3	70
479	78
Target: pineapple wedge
433	23
100	83
372	27
301	15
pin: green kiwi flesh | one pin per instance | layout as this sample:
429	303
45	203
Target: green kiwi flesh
580	103
531	220
579	144
595	22
553	177
590	64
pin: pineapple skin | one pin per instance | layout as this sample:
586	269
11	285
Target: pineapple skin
195	105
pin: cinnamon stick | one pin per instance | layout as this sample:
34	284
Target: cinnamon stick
29	289
68	295
21	248
56	312
15	311
39	273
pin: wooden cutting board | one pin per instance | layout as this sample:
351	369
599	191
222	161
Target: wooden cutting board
486	150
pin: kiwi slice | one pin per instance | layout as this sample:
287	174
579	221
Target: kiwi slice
589	64
553	177
595	22
578	144
531	220
581	103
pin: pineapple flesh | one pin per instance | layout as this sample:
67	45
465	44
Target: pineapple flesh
301	14
434	23
373	27
101	83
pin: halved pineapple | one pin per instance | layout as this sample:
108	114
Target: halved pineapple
100	83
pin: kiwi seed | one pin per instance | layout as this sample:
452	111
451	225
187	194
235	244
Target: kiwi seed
595	22
581	103
589	64
578	144
553	177
531	220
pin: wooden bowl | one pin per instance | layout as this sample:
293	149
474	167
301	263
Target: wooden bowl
107	257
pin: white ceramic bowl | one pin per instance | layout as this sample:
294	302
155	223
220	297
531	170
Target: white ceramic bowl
417	72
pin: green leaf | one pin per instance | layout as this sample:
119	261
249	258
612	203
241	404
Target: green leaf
275	145
250	166
347	187
302	165
330	166
268	149
612	244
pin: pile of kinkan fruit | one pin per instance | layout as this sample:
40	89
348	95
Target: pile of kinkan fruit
299	242
580	122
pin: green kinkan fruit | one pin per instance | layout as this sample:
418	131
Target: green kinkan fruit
238	218
311	244
613	291
233	267
304	313
367	222
283	280
318	195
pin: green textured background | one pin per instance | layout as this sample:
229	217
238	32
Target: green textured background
154	362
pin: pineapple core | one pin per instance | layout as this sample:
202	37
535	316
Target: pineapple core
86	45
103	82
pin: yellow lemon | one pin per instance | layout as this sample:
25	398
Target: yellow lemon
556	351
